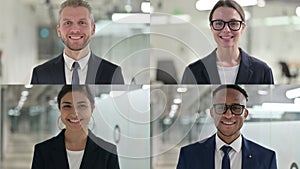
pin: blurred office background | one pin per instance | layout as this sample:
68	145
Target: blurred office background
180	35
180	116
28	37
29	115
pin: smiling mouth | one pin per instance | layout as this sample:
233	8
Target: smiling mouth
75	37
228	123
75	120
226	37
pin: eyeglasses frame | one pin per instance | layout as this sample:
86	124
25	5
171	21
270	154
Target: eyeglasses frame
230	107
212	21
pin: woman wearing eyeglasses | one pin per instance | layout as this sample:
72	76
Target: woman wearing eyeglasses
228	64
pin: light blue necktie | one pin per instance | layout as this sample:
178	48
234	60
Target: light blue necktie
75	76
226	159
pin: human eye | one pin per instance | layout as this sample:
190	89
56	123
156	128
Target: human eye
66	106
237	108
67	23
82	22
234	24
82	106
219	108
218	23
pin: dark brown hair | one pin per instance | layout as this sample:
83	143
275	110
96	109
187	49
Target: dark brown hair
228	3
72	88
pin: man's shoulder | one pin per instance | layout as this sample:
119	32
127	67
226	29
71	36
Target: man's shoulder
103	61
199	145
50	62
257	147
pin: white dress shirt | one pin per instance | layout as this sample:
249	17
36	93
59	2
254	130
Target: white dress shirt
228	74
82	70
235	154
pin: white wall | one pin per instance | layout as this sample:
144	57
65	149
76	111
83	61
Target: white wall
18	41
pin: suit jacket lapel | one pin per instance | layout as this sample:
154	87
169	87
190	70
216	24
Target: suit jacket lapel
210	63
58	71
244	73
208	156
90	154
93	65
58	152
248	159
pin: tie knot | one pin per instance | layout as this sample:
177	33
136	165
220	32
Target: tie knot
226	149
75	65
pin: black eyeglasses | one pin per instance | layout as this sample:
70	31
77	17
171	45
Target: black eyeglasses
236	109
233	25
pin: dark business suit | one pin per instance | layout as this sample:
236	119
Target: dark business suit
99	71
251	71
98	154
201	155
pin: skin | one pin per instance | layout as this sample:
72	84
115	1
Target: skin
227	40
76	28
229	125
76	111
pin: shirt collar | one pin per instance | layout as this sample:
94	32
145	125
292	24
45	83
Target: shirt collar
236	145
82	62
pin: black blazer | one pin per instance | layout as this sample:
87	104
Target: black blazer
100	71
98	154
251	71
201	155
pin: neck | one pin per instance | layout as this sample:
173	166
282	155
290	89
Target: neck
228	139
76	140
77	55
228	56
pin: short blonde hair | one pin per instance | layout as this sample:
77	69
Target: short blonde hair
76	3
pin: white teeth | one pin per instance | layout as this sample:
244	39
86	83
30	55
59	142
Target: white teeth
75	37
74	121
229	123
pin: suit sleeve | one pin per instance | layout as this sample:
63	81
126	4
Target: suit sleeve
273	164
181	160
37	162
117	76
34	78
113	161
188	77
268	76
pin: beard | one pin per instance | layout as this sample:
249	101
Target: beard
75	46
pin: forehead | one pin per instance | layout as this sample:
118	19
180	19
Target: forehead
75	96
78	12
226	13
229	95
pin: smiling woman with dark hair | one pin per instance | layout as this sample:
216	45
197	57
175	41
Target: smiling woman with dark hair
75	147
228	64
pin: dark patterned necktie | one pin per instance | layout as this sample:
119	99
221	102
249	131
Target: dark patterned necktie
75	76
226	159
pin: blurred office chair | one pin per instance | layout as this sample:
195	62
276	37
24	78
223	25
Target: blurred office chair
285	71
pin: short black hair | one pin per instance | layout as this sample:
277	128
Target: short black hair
72	88
236	87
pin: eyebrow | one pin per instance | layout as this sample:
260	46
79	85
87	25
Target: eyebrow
79	102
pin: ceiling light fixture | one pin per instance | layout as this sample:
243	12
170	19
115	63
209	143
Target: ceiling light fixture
202	5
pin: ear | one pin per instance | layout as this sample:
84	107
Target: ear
93	28
58	31
93	108
246	113
211	110
244	26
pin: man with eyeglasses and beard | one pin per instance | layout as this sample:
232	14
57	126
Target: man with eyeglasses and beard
228	148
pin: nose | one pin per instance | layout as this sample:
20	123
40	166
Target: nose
75	28
226	28
228	114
